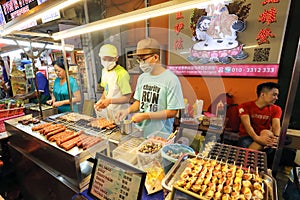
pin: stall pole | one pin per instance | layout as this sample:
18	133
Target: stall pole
89	56
32	57
67	73
147	23
37	87
287	112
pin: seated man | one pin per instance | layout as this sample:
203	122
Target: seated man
260	119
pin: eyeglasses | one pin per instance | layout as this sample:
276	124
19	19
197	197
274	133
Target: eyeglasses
142	60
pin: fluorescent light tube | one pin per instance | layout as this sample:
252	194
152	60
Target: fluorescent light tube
134	16
36	44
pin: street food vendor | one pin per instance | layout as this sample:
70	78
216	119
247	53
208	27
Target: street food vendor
115	81
158	95
60	97
43	88
260	119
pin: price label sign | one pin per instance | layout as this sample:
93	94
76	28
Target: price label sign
112	179
29	71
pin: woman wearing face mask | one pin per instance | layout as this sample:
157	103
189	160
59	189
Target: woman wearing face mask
158	95
115	81
60	97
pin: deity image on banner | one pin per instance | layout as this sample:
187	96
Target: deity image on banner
216	36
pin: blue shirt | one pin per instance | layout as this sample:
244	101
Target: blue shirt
4	74
61	93
43	87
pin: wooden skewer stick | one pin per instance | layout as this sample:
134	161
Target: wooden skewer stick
172	135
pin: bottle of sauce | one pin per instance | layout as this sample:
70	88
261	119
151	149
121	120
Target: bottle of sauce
220	111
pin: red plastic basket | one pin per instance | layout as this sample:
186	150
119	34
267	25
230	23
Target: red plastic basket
2	126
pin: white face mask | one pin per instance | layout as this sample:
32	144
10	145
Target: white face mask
146	67
108	64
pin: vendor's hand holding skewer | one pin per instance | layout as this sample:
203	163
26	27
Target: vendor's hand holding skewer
102	103
49	102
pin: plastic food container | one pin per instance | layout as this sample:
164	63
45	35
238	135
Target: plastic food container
170	154
158	135
127	150
145	158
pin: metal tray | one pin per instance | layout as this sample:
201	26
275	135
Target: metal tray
81	123
247	158
174	174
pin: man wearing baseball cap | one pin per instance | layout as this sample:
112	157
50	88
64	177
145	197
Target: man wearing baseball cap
158	95
115	81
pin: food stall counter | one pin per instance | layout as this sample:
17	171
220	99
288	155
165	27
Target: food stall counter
69	166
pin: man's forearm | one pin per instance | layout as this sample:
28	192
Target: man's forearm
164	114
251	133
245	120
121	100
29	95
134	107
276	126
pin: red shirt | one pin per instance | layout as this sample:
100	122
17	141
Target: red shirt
260	118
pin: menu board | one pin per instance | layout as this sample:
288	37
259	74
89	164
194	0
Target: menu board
113	180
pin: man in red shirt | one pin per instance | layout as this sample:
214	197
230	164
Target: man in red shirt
260	119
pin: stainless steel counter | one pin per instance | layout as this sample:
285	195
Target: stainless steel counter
68	167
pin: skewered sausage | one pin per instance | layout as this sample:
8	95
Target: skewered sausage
50	128
60	135
55	127
40	126
70	143
55	132
68	137
91	143
82	138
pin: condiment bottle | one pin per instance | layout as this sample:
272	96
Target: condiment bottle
196	142
220	111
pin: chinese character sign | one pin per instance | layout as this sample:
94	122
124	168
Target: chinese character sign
245	33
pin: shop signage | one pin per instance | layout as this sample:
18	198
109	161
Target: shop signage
239	38
15	8
112	179
50	16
